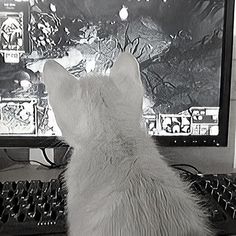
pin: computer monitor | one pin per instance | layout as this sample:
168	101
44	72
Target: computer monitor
184	49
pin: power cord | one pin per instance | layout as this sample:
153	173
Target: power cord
54	165
46	157
11	169
60	176
187	172
34	161
185	165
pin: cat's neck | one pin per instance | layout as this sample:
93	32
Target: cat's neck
110	144
108	133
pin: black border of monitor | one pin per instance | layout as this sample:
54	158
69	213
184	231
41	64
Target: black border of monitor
226	65
219	140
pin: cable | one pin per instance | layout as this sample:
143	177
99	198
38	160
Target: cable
11	169
60	177
46	157
187	165
54	165
186	171
12	159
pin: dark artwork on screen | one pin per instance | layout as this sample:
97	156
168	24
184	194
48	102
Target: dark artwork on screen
178	45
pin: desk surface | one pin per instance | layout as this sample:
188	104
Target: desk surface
28	172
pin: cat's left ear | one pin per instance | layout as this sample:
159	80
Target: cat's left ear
126	76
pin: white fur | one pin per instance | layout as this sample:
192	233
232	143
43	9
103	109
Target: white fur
118	183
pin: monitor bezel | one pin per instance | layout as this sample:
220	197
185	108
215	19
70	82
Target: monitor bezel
219	140
32	142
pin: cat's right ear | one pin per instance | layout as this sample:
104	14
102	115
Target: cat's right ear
125	71
125	74
59	82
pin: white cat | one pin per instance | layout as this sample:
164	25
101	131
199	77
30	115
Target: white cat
118	183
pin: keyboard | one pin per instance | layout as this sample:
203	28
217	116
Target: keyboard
218	193
38	208
32	208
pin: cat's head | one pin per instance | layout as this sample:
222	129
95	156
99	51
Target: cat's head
82	105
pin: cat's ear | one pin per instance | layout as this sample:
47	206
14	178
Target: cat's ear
126	76
62	88
125	72
58	81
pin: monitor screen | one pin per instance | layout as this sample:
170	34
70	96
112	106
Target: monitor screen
183	49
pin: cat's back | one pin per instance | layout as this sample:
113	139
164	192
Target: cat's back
137	194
